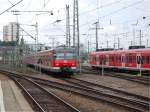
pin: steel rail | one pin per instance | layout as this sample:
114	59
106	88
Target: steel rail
141	80
98	87
128	104
41	106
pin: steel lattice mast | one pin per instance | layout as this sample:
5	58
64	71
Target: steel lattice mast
67	27
76	38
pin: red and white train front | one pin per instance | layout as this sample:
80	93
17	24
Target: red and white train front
64	61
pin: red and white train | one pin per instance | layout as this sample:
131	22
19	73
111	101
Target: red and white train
132	59
58	60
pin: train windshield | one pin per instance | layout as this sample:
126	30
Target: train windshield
60	56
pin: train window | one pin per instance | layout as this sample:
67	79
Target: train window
147	59
133	58
110	58
69	56
143	59
130	59
119	59
59	56
127	58
65	56
113	59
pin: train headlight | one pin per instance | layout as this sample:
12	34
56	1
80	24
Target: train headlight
57	64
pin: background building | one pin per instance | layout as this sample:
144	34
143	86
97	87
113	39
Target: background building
11	31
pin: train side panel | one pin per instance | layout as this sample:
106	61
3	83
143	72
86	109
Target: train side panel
124	59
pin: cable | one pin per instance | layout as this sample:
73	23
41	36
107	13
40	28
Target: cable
27	33
114	12
10	2
34	17
11	7
111	13
143	10
125	7
109	4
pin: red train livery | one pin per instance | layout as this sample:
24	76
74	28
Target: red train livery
133	59
58	60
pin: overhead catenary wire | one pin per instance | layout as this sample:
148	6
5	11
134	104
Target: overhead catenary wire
11	7
114	12
103	6
111	13
88	11
10	2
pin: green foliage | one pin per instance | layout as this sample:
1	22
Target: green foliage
8	43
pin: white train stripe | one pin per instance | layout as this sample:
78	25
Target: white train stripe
2	109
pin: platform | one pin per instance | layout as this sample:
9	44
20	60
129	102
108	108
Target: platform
11	98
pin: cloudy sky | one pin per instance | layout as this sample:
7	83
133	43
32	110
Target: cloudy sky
119	19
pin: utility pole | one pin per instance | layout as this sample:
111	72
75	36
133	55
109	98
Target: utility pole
36	26
88	46
96	34
36	42
147	43
74	21
76	31
68	44
118	43
114	41
17	57
140	40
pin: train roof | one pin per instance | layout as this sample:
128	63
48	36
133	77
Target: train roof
60	48
122	51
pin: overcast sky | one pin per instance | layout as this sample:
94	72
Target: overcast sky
118	18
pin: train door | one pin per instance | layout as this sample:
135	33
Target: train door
107	60
123	60
97	59
138	61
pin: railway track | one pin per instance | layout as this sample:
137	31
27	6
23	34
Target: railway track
134	105
41	99
130	104
102	88
139	79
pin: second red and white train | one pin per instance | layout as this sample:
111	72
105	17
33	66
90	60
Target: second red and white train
132	59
